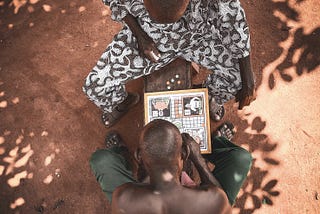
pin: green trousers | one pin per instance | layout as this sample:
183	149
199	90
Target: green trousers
232	164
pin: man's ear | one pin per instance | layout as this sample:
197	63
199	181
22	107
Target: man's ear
185	151
137	156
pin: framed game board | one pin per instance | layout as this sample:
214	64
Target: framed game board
187	109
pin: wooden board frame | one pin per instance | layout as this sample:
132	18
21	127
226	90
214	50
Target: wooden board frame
187	109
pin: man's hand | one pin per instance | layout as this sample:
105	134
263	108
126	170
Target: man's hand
247	93
148	48
195	156
194	147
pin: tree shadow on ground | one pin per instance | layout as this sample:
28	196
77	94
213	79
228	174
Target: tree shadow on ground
258	189
302	56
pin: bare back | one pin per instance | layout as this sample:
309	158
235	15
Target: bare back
138	198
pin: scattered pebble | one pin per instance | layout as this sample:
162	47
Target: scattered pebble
39	209
58	204
57	173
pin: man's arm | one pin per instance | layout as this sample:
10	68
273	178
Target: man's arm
146	45
246	95
199	162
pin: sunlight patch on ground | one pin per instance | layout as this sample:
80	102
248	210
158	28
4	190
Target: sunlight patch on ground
106	12
48	179
3	104
1	169
17	4
49	159
44	133
47	8
24	160
15	100
2	140
15	181
17	203
33	1
81	9
19	139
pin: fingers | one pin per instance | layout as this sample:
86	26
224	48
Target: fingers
238	96
245	102
185	137
153	54
245	97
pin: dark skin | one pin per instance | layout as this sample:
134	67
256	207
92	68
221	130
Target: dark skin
146	46
165	194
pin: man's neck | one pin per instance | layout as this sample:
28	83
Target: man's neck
162	178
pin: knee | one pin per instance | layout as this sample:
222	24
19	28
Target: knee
86	87
101	159
242	157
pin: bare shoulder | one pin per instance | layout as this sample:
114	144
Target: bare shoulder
132	198
210	199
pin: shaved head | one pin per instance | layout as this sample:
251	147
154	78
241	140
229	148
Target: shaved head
166	11
160	142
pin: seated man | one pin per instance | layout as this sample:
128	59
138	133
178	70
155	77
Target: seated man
162	150
213	34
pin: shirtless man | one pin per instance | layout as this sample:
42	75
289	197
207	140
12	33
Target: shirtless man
162	150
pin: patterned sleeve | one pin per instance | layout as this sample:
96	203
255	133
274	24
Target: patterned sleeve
120	8
233	28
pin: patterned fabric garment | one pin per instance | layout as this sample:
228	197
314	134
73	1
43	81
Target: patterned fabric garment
211	33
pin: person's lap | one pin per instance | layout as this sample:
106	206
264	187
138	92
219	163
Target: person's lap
121	62
232	164
111	169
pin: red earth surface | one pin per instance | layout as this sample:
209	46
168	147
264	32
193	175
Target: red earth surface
49	129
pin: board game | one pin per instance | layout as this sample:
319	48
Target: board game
187	109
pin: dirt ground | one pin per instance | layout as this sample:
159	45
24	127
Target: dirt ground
49	129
